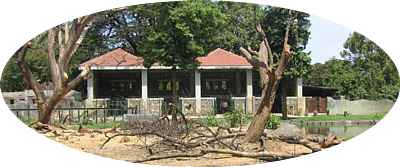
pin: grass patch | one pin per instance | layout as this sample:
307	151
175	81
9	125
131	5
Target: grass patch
231	120
342	117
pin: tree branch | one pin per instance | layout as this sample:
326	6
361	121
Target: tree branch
285	56
54	68
82	76
26	72
253	61
76	33
265	43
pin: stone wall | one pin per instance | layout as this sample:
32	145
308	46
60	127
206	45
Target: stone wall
155	105
189	106
291	105
135	104
239	103
207	105
359	107
296	105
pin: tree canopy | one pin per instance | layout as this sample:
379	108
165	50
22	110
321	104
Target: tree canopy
196	26
366	71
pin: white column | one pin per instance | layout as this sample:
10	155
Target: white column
197	83
249	91
299	84
144	89
89	85
301	101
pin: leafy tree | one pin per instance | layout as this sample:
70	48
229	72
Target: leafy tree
12	79
274	19
377	73
318	75
366	72
183	31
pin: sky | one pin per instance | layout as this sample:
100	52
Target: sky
327	39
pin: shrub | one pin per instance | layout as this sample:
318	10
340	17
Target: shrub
233	118
273	122
237	117
211	120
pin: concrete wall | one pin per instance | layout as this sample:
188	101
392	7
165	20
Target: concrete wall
359	107
296	105
239	103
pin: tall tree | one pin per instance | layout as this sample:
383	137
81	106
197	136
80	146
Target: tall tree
366	72
271	72
183	31
377	72
300	64
62	43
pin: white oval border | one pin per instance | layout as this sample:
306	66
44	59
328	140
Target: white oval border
24	19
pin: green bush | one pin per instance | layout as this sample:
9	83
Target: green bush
212	120
273	122
233	118
237	117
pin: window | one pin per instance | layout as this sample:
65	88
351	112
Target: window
165	85
224	85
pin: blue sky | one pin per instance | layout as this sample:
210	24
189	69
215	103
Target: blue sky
327	39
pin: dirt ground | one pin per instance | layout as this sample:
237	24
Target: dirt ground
133	148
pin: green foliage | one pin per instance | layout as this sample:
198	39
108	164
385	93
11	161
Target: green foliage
273	122
36	58
212	120
275	20
175	33
341	117
366	72
236	117
183	31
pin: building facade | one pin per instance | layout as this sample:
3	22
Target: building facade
221	75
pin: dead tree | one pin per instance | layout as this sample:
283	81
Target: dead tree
62	41
271	73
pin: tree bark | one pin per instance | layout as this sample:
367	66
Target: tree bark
174	97
271	73
261	117
283	100
69	36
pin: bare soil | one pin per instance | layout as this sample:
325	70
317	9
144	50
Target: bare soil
132	148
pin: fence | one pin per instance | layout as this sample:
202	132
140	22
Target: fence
101	110
78	115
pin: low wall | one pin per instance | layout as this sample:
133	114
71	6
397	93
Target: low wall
296	105
359	107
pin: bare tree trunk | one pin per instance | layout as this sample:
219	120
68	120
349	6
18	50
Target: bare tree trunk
261	117
174	97
270	74
69	37
283	100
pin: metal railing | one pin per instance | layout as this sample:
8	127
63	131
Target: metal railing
78	115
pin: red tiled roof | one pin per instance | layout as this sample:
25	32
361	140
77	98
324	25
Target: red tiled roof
119	57
221	57
116	57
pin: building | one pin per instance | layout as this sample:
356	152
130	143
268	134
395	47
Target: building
220	74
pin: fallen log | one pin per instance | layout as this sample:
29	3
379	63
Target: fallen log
269	156
170	156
